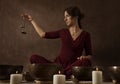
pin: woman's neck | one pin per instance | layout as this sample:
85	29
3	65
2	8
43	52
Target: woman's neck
75	29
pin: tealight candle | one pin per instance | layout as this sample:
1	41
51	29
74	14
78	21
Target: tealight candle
59	78
15	78
97	77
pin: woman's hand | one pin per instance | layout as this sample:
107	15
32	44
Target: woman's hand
84	57
38	29
26	17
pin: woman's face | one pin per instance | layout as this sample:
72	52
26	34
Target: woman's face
69	20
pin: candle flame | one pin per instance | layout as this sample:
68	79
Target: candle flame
59	72
16	72
97	69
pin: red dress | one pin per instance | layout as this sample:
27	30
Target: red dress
70	50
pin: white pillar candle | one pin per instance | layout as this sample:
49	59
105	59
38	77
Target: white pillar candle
16	79
96	77
59	79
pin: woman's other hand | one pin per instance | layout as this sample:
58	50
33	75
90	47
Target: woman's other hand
84	57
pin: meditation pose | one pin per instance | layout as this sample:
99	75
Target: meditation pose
74	40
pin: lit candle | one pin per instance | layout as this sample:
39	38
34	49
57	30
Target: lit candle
16	78
59	78
97	77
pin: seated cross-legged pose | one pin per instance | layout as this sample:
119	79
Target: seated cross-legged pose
74	41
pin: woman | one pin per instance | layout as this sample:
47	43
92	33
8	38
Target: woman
74	40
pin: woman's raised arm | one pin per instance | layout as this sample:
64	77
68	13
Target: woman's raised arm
38	29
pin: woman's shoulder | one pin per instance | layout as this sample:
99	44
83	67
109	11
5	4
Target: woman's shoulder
58	30
86	32
63	30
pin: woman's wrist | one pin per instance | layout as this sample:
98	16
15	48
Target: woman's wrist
30	19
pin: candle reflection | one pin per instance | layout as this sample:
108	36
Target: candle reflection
115	68
114	81
114	74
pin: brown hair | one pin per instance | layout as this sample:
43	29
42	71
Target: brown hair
75	11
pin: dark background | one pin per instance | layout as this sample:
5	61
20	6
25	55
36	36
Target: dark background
102	20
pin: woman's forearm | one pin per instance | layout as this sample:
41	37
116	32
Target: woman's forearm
38	29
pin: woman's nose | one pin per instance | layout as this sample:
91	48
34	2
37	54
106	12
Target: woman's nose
65	19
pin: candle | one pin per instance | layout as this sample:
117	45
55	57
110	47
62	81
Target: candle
97	77
15	78
59	78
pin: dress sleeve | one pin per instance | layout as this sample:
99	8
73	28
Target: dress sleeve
52	35
88	47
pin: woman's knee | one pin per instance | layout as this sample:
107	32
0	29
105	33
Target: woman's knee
34	58
38	59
